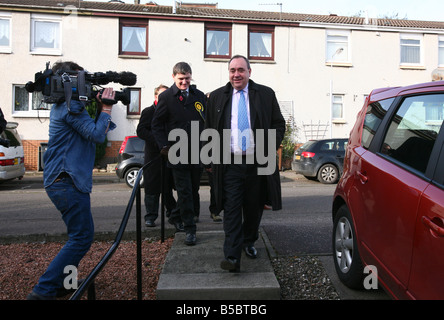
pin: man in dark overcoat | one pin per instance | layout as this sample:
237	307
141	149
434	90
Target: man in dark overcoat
181	113
153	174
241	192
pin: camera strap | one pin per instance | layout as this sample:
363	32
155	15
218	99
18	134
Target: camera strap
67	85
82	87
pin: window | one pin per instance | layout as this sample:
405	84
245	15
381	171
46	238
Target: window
28	104
45	34
338	106
134	107
373	118
338	47
411	49
410	138
440	51
5	33
217	40
261	42
133	37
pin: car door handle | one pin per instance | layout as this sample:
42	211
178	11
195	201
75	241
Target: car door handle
435	225
363	177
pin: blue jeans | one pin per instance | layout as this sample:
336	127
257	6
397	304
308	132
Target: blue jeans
75	207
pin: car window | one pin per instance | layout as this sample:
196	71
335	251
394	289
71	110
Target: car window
12	136
328	145
373	118
342	145
134	145
307	145
413	130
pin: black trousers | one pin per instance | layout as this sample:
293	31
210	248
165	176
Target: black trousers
152	177
187	181
244	199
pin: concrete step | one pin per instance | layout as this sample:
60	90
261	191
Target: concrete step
194	273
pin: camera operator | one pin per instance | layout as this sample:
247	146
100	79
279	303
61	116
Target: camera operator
69	161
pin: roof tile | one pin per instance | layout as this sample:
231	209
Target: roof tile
209	13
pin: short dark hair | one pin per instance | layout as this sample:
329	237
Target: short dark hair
238	56
181	68
65	66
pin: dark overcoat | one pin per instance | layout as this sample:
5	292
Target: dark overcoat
175	112
265	114
152	151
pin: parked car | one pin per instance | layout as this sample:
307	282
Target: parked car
12	158
320	159
130	159
388	207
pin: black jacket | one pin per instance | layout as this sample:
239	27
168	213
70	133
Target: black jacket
174	112
265	114
144	132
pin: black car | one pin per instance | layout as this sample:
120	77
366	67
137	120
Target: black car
320	159
130	159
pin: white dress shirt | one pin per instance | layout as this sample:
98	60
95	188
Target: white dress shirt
235	148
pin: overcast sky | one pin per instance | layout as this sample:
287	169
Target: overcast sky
431	10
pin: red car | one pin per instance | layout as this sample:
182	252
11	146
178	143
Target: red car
388	207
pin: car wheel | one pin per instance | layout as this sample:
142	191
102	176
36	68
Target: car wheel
131	176
346	256
328	174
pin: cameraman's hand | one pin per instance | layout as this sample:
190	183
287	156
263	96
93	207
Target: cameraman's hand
106	98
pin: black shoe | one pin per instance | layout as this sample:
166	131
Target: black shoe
178	225
150	223
230	264
190	239
251	252
36	296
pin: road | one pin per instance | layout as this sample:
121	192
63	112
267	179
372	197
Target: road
302	227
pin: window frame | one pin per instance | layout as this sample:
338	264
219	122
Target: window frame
265	29
30	112
8	48
335	58
341	103
135	23
441	51
412	36
214	26
128	109
57	20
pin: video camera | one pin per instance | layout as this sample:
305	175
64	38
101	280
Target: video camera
65	85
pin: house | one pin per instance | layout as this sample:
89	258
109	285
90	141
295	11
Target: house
321	66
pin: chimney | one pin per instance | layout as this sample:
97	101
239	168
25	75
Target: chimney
136	1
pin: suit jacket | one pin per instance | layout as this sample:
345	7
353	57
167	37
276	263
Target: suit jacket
264	114
174	112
